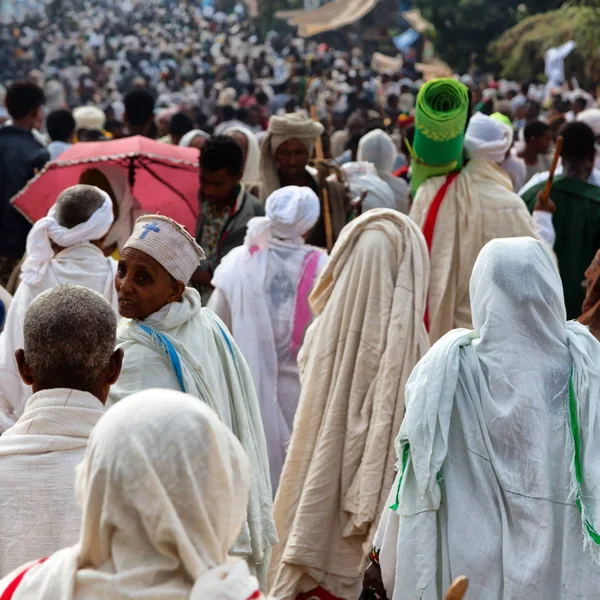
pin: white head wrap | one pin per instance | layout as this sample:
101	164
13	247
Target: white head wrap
89	117
291	212
160	512
188	138
47	230
251	173
591	117
167	242
487	138
378	148
281	129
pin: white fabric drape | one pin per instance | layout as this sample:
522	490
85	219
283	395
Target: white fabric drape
256	290
38	511
251	173
82	264
488	487
163	488
354	363
363	177
214	370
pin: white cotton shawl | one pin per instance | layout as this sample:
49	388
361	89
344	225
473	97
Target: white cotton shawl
356	358
163	489
82	264
251	173
260	284
489	487
362	177
213	370
378	148
38	511
48	230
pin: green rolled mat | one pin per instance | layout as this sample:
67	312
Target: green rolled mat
440	117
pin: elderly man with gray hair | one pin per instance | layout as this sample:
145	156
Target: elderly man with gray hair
69	360
63	247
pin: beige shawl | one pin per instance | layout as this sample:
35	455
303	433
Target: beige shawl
478	207
355	361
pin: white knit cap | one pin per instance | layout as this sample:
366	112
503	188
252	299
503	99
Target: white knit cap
487	138
168	243
89	117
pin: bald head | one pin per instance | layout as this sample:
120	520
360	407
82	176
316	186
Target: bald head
70	335
77	204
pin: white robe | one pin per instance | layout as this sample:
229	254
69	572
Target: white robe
212	367
81	264
38	511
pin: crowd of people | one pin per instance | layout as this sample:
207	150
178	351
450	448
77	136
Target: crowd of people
371	368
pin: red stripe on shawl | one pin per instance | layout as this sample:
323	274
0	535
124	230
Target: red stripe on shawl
430	222
14	584
302	314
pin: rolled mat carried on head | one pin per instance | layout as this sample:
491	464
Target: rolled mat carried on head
440	118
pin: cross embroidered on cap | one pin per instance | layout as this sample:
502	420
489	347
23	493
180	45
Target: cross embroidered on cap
167	242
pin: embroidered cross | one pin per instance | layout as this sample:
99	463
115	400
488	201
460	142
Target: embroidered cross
148	227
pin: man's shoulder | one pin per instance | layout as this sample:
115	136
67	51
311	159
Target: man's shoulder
258	210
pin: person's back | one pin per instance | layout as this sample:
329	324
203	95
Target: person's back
473	207
61	129
74	229
577	216
68	357
21	156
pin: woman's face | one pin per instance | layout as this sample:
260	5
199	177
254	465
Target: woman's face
143	285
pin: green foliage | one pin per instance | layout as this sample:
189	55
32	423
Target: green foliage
521	49
467	26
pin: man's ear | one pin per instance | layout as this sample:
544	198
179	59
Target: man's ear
114	366
177	291
24	369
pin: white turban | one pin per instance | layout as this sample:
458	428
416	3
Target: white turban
291	212
591	117
296	126
48	230
168	243
189	137
89	117
487	138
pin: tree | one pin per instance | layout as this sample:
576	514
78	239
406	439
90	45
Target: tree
466	26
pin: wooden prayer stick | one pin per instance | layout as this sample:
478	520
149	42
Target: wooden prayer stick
458	589
557	151
326	210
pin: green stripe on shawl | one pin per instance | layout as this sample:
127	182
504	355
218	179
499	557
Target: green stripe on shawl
440	118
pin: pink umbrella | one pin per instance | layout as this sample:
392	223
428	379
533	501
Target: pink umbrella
165	179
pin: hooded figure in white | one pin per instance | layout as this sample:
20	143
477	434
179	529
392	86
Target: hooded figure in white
499	451
261	293
163	489
58	252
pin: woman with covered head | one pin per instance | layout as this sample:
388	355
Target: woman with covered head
261	293
251	149
498	452
357	356
163	490
284	157
171	342
378	148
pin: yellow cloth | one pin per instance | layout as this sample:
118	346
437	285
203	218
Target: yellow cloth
354	363
479	206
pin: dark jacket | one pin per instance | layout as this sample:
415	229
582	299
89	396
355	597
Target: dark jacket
20	155
234	231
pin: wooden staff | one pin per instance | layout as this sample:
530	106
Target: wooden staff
548	188
326	209
458	589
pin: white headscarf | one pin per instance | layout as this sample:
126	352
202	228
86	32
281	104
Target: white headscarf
164	490
290	213
167	242
378	148
47	230
251	172
362	176
189	137
487	138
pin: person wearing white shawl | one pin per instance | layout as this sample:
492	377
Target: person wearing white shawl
459	214
357	356
171	342
163	489
69	358
498	453
64	247
364	182
261	293
378	148
249	143
194	139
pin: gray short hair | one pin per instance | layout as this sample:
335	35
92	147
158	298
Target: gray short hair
70	334
77	204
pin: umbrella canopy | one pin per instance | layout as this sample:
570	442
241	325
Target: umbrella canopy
165	179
